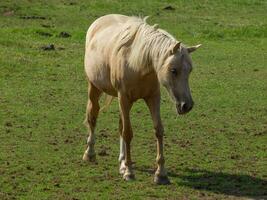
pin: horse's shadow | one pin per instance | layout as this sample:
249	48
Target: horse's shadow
219	182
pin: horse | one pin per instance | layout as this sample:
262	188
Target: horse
127	58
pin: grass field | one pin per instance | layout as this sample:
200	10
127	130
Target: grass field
217	151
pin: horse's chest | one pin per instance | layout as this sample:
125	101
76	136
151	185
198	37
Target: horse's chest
137	85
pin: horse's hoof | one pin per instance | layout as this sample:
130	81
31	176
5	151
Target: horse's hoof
161	180
128	177
89	158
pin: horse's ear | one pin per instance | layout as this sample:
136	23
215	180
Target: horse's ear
193	48
175	48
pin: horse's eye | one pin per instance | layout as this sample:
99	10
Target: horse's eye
174	71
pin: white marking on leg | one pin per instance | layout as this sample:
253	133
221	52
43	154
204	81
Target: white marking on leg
122	156
122	167
122	150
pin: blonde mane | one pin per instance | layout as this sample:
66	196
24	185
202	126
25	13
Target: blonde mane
147	46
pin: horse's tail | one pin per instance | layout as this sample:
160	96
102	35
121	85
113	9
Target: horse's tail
108	101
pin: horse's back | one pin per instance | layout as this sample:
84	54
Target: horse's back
105	23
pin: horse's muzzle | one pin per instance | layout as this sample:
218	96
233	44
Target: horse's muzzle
184	107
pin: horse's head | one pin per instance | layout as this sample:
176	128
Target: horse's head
174	75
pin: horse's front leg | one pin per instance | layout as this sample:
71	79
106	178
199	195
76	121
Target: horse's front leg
154	106
126	134
91	117
122	150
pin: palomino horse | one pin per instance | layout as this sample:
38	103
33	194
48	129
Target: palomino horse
127	58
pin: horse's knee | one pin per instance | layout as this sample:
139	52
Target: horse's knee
96	107
160	160
159	131
92	113
93	107
91	121
127	138
127	135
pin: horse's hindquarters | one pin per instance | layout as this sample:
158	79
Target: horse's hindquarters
99	44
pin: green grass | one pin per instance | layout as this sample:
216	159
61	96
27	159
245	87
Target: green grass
218	151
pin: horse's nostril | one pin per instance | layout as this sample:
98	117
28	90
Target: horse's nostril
184	107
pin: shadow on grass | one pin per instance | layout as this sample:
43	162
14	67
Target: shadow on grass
219	182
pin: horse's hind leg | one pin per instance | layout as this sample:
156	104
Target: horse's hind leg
91	117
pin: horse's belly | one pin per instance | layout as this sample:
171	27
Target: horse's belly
99	76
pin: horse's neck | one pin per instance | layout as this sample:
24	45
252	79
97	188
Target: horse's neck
150	48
